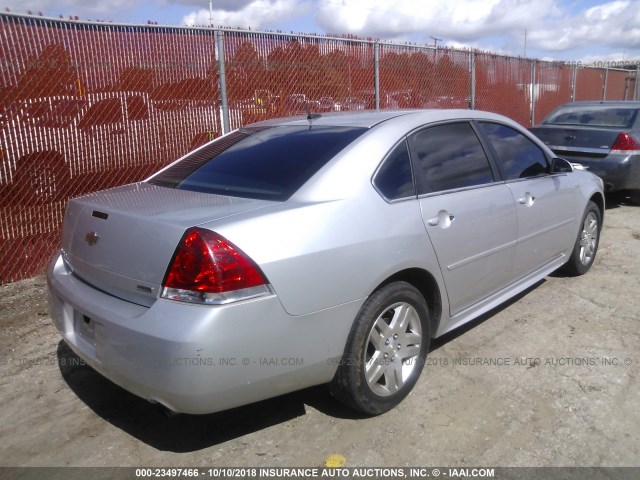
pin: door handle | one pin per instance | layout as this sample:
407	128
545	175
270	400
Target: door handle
444	219
527	200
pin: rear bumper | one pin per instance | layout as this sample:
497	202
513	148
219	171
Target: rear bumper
194	358
619	172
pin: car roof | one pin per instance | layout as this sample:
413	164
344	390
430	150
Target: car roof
370	118
366	119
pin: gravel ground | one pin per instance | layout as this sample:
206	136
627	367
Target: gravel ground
562	390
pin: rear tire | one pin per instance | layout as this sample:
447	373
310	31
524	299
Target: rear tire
586	246
385	351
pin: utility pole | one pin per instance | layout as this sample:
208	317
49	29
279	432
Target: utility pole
525	43
211	13
435	41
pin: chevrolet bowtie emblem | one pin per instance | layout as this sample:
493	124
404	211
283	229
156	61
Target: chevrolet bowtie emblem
92	238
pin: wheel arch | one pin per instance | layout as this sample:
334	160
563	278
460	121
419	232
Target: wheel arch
427	285
598	199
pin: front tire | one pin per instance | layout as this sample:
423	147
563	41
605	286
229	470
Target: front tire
385	351
586	246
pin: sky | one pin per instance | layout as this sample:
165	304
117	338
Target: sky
587	31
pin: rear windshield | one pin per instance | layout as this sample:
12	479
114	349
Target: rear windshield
593	115
257	162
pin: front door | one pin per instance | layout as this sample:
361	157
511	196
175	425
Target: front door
544	202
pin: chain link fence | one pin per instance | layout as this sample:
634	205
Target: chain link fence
87	105
270	75
91	106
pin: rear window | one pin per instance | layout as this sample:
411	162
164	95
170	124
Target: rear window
257	162
593	115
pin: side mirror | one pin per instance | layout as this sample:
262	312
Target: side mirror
560	165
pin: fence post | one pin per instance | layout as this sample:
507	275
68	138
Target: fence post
472	80
626	84
574	79
222	82
376	73
635	90
532	92
604	85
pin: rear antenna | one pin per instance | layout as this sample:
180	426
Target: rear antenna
311	116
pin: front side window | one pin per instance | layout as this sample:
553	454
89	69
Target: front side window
267	163
448	157
394	180
517	156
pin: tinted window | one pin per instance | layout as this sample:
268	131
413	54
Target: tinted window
595	115
449	156
257	162
518	156
394	179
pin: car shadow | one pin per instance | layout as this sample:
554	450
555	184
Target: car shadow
182	433
450	336
617	200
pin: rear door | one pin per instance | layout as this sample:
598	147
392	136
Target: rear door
469	216
545	203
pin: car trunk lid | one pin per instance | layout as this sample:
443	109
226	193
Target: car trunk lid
122	240
582	141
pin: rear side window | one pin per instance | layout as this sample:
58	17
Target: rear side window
449	156
394	179
257	162
517	156
593	115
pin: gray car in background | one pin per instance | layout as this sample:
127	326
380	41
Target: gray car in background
297	252
602	136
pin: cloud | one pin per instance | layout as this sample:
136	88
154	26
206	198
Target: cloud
552	25
614	24
227	5
458	20
254	14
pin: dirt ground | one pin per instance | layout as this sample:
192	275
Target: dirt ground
551	379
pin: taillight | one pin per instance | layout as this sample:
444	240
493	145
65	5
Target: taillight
625	143
207	268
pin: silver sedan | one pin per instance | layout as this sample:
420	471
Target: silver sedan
328	249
